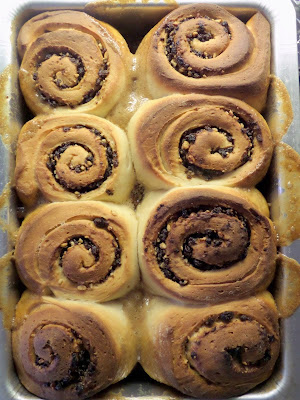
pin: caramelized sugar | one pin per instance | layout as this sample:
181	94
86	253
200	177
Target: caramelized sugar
9	293
279	110
10	125
287	286
286	205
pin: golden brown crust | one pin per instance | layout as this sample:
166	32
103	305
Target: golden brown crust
202	48
71	61
60	347
211	352
187	140
69	157
79	250
205	245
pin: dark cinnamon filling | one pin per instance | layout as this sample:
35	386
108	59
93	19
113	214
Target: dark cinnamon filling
87	243
251	130
40	362
81	367
212	241
112	161
238	355
61	149
226	317
74	58
81	69
91	247
137	194
201	34
102	74
101	222
163	261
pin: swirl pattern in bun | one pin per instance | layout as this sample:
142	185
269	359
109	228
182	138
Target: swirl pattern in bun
202	48
69	157
71	61
79	250
71	350
186	140
211	352
205	245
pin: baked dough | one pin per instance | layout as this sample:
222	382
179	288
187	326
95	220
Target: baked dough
70	157
188	140
67	350
79	250
211	352
205	245
202	48
72	62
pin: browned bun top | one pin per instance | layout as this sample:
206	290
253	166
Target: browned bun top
185	140
205	245
60	350
79	250
71	60
203	48
212	352
72	156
